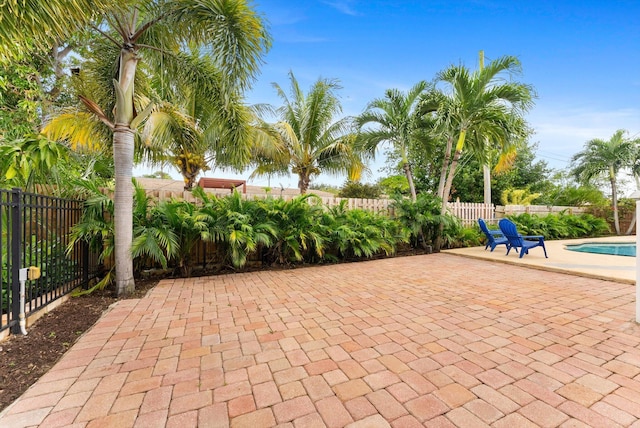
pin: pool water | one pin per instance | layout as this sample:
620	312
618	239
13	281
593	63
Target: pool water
615	249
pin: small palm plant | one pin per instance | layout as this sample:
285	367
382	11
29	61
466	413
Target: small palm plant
155	241
360	233
187	224
299	232
423	218
238	227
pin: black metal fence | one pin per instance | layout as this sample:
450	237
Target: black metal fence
36	232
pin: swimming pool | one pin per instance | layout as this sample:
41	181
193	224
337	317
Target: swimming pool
616	249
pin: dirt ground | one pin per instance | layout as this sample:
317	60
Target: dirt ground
23	359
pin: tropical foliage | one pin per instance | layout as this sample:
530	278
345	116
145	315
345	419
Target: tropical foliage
561	226
602	159
423	218
164	37
308	138
355	189
478	110
269	231
518	197
394	119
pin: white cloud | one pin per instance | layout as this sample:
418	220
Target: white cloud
344	6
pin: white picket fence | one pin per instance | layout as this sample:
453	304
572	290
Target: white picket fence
469	212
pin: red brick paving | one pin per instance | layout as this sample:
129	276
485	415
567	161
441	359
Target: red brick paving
433	340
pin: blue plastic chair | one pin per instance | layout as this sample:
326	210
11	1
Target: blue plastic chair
516	240
494	237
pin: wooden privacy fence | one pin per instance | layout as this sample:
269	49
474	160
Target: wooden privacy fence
376	205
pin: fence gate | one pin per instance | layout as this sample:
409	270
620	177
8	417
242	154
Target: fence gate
36	231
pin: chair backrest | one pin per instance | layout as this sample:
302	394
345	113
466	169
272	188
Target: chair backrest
510	232
485	230
483	226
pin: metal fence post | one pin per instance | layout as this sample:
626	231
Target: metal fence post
16	257
85	264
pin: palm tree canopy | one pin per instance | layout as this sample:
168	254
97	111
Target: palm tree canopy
396	120
603	158
480	102
307	138
192	93
25	25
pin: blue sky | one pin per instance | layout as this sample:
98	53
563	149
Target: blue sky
582	57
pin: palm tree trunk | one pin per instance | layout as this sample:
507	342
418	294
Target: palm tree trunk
123	146
614	201
445	167
633	223
486	171
303	182
446	192
123	208
412	187
449	183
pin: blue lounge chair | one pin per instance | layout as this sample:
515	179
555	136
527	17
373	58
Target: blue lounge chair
516	240
494	237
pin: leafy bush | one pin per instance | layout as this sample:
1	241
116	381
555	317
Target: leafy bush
274	230
354	189
299	234
238	227
423	219
360	233
457	236
395	185
518	197
561	226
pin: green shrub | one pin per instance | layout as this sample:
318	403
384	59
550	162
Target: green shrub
354	189
423	219
360	233
561	226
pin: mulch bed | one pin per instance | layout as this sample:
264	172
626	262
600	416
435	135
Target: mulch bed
23	359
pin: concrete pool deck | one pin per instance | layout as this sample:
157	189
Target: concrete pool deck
601	266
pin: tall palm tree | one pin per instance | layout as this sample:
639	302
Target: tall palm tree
605	159
156	34
307	139
397	124
479	108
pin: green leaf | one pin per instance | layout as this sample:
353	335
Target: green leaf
11	172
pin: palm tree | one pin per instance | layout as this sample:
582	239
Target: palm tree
41	25
605	159
157	34
397	124
479	109
306	139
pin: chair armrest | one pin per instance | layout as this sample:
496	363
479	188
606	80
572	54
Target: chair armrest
538	237
495	232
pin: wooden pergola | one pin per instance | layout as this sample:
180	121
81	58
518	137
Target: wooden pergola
222	183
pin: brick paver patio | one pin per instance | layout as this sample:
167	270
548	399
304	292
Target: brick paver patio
436	341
